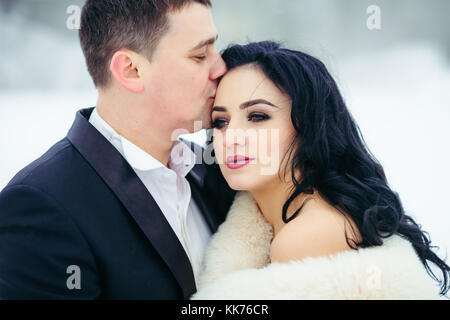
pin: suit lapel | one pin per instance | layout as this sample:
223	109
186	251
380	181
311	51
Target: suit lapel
123	181
202	201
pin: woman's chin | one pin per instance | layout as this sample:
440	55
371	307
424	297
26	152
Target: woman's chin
240	183
245	179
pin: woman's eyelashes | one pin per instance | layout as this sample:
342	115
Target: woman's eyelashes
219	123
256	117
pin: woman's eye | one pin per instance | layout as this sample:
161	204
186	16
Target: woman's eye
256	117
218	124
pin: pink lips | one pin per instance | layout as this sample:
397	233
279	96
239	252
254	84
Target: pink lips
237	161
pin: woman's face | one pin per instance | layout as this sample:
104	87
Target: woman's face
252	128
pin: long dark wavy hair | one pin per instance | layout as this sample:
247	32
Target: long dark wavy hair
330	152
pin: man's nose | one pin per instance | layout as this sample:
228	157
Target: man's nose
219	68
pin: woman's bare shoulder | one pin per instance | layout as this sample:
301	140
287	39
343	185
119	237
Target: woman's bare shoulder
319	230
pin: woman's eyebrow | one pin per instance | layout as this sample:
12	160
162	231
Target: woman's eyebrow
217	108
246	105
256	101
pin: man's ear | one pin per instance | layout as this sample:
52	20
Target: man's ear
125	70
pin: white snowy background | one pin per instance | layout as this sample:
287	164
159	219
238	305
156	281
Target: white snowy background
396	82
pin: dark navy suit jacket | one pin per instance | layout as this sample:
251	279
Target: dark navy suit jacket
81	204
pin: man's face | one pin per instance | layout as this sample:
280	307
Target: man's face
181	79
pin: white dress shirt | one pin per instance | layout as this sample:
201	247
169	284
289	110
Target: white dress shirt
169	188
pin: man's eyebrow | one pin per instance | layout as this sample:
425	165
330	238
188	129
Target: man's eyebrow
246	105
205	43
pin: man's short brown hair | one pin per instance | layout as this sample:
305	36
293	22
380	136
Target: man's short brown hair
110	25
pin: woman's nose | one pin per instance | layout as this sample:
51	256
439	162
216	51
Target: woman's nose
235	136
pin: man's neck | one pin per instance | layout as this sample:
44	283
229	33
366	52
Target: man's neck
137	132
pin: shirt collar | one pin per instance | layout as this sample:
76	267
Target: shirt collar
182	159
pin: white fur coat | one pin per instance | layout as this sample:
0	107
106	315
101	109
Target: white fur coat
236	266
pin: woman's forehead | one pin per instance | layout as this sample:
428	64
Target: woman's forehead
247	82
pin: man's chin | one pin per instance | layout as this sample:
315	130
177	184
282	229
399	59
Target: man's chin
209	105
199	124
202	122
205	122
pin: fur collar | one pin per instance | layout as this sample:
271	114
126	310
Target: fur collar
236	266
